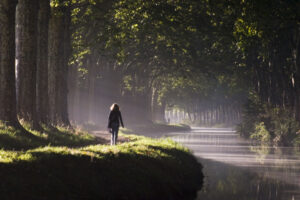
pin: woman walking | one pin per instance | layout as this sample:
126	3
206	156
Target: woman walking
114	120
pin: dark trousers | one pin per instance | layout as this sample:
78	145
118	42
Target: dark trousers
114	135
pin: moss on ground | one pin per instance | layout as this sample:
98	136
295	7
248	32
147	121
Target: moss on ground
64	165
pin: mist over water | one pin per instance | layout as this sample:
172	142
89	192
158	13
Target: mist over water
236	169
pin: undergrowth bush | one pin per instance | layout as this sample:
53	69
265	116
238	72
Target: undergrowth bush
268	123
252	114
296	141
261	133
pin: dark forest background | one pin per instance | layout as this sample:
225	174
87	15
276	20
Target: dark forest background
204	62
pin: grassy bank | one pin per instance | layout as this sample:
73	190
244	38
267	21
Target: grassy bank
14	139
71	166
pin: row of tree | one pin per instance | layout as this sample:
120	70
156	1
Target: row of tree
205	57
33	74
150	56
268	37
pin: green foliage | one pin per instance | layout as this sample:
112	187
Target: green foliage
261	133
206	53
284	126
296	141
267	123
252	114
182	49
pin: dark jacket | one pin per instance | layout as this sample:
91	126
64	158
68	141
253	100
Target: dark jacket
115	118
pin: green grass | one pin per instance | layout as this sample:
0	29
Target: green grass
63	165
14	139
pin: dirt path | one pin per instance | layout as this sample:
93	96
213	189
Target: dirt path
103	136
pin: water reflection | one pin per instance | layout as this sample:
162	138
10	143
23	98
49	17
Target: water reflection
235	169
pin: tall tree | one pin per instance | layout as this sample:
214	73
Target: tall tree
42	61
27	59
59	52
7	62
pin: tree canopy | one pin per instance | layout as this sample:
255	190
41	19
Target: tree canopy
206	58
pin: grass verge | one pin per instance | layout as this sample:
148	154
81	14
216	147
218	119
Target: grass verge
143	168
14	139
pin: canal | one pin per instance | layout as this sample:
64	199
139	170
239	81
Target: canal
235	169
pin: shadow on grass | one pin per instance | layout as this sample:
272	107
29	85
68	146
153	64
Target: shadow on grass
94	174
23	139
132	170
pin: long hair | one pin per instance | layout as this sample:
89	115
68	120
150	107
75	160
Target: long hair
114	107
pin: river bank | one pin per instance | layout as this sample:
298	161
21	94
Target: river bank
76	165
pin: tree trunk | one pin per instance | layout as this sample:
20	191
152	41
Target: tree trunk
8	112
65	69
162	110
72	97
154	105
58	66
27	59
206	117
91	89
218	114
42	61
296	62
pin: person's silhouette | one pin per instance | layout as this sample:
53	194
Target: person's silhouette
114	120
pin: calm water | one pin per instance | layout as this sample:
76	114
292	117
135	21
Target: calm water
236	170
